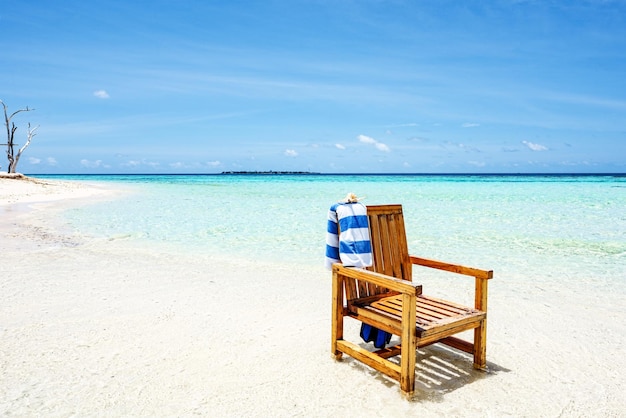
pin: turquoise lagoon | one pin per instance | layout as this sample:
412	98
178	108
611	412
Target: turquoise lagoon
545	228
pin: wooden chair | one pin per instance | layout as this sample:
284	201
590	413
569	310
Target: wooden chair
385	297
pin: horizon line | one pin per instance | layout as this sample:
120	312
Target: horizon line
307	173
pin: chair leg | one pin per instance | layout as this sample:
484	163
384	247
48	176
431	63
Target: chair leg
480	346
480	333
337	317
407	365
409	346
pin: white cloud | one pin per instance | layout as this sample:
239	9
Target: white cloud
291	153
213	163
470	125
366	139
34	160
535	147
101	94
137	163
382	147
339	146
51	161
91	164
369	140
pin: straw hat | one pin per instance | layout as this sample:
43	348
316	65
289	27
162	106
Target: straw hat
351	198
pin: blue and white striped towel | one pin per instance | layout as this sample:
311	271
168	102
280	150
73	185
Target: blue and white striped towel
352	247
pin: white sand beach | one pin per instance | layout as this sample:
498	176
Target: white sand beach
106	327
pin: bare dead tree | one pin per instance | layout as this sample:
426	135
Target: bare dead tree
31	133
11	128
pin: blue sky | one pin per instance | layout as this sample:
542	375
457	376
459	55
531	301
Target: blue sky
508	86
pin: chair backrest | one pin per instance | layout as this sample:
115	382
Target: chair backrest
389	249
389	245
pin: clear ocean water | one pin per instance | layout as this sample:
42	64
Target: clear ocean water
547	227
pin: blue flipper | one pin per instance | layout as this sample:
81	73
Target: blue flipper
382	339
368	333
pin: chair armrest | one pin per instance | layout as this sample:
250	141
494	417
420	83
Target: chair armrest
454	268
388	282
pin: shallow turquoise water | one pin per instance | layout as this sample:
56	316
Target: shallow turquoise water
571	227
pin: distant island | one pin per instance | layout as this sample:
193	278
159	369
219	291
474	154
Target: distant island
269	172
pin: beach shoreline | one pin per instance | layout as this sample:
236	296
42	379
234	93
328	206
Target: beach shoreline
95	326
29	207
